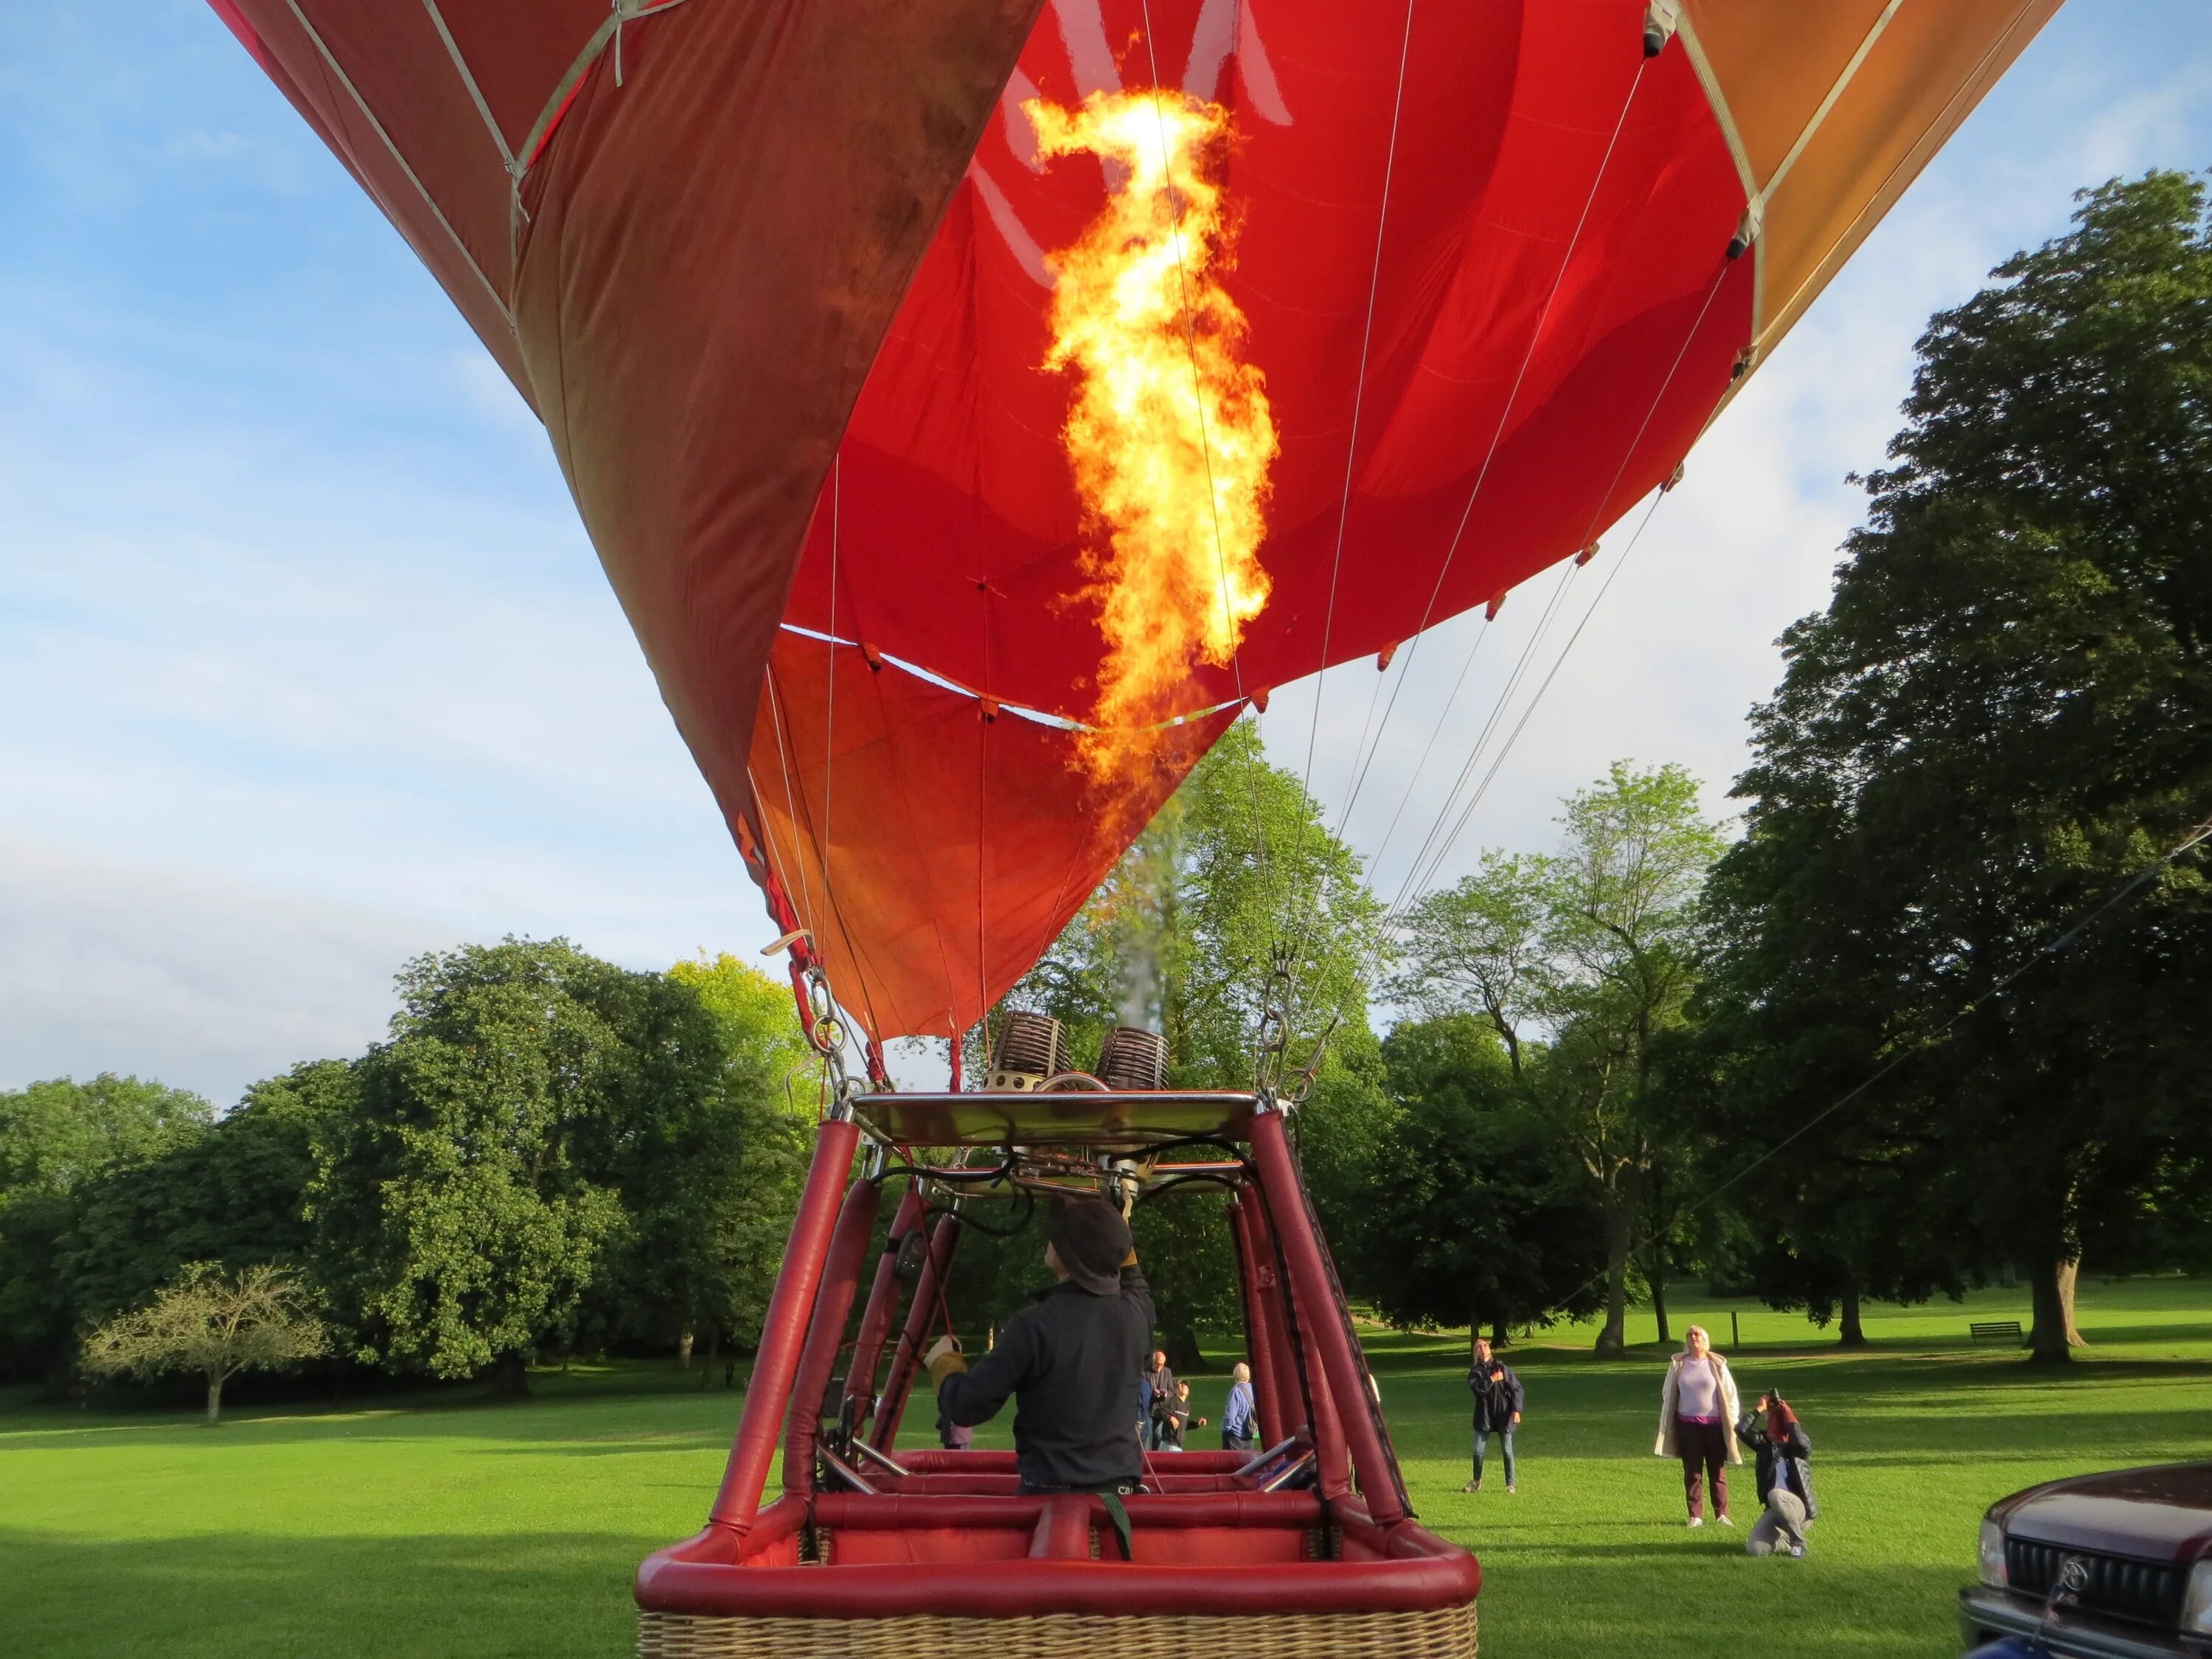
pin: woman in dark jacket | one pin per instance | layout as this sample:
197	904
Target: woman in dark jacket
1785	1454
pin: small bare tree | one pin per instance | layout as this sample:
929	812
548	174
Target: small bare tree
208	1321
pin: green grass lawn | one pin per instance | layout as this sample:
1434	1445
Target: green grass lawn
446	1526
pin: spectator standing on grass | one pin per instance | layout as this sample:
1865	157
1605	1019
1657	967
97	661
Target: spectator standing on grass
1159	1393
1240	1417
1698	1412
1784	1457
1499	1398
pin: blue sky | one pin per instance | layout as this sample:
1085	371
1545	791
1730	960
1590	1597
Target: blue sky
305	665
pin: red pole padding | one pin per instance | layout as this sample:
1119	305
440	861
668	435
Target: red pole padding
876	1317
841	1274
1321	1305
1259	1326
782	1330
906	1359
1301	1389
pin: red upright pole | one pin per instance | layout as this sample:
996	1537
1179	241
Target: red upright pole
1259	1324
876	1317
1301	1390
783	1329
840	1273
1321	1311
906	1359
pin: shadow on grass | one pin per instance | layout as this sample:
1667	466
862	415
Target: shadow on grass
229	1597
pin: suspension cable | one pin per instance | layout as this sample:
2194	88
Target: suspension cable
1490	453
1426	862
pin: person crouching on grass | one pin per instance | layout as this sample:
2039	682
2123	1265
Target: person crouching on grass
1698	1412
1783	1454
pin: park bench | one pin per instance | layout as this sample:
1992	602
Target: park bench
1995	1330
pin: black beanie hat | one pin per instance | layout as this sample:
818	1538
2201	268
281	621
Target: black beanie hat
1092	1241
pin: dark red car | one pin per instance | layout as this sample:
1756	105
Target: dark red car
2116	1566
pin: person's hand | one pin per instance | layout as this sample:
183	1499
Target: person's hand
943	1359
1516	1417
1201	1422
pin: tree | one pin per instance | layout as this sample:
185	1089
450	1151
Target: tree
213	1324
2000	722
466	1203
233	1193
56	1138
1622	946
1182	936
712	1212
1479	1217
1480	944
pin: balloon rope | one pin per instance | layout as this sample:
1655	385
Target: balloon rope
1482	473
1425	866
829	716
1360	394
790	801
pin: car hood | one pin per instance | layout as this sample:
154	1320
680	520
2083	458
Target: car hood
2160	1513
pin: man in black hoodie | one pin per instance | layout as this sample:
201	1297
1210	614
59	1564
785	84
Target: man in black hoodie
1067	1359
1497	1401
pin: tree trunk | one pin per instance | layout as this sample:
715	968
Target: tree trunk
1183	1352
1657	1272
215	1397
1613	1338
510	1377
1852	1334
2051	1285
714	1353
1499	1337
684	1350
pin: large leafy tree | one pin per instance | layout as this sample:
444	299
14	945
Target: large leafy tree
465	1206
58	1138
715	1172
2001	721
1581	961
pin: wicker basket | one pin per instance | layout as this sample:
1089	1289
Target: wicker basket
1448	1633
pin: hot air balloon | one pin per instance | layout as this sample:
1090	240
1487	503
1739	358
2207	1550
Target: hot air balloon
794	286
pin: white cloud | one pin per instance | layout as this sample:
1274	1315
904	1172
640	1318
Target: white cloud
177	973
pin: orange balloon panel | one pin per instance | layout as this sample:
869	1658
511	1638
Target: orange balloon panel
935	847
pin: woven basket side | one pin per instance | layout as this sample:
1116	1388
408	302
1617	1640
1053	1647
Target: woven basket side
1446	1633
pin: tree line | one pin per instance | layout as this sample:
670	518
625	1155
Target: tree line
548	1153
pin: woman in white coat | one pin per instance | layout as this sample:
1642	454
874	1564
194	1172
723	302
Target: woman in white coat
1698	1410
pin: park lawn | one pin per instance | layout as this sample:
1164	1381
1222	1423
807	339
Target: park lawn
448	1526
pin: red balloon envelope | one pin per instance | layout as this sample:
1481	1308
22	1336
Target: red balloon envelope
774	277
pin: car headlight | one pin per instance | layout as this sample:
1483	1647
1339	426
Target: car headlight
2197	1605
1993	1557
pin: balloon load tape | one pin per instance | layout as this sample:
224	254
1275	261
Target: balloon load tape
1032	1055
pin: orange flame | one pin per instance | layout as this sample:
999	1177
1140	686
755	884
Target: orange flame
1169	437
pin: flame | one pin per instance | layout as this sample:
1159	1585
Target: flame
1169	436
